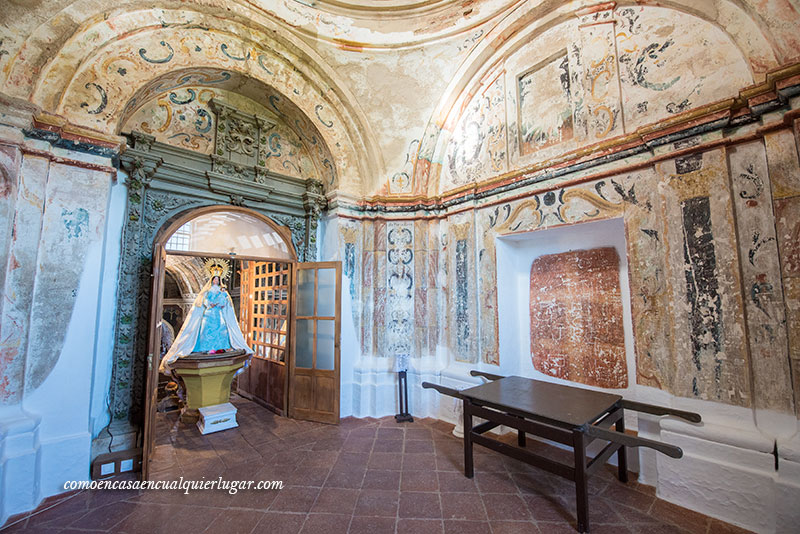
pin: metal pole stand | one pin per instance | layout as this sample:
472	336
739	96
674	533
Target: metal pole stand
402	385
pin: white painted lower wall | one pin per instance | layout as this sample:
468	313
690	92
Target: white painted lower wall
727	471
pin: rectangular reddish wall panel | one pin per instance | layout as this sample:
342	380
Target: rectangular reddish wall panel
576	317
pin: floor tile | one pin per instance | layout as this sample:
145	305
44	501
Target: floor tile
419	481
466	527
336	500
295	499
419	526
463	506
372	525
382	479
381	503
456	482
234	522
503	506
515	527
419	505
283	522
326	524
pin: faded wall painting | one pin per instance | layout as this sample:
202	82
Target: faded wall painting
477	149
599	76
545	110
399	288
761	277
576	317
704	277
57	229
670	62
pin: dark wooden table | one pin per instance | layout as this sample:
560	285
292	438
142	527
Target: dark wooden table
564	414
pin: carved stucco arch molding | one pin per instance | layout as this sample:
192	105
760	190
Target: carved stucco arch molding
84	83
753	40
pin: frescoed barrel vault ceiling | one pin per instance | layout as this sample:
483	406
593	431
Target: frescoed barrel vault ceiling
383	95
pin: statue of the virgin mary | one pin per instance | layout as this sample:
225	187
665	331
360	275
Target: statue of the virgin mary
211	326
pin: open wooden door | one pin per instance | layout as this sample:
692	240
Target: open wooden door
153	358
316	323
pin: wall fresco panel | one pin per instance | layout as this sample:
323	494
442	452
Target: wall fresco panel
792	295
73	225
487	285
351	245
435	318
761	278
18	297
784	167
463	311
650	299
368	296
400	286
665	69
10	159
601	94
477	148
708	330
787	218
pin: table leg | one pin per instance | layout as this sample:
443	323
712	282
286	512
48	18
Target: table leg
581	487
622	455
468	469
521	438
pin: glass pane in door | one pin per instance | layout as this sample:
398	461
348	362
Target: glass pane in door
304	355
326	292
325	344
305	292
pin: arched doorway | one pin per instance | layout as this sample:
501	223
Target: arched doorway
288	311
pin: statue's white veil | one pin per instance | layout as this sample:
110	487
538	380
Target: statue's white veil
187	337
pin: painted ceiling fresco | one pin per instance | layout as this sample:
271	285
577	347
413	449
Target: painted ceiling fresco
385	84
569	88
183	117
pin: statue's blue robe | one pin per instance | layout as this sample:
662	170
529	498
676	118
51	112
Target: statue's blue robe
213	331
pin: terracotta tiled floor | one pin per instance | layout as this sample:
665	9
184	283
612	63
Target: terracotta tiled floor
365	475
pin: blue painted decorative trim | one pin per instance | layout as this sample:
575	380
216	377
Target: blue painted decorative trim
143	51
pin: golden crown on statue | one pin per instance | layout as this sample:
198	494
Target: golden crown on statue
218	267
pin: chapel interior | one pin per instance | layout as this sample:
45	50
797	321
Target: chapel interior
437	266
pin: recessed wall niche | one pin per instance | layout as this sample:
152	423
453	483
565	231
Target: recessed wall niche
570	247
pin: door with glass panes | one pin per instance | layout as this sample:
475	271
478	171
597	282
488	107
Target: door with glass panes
314	367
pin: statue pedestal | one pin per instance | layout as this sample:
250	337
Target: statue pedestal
216	418
207	379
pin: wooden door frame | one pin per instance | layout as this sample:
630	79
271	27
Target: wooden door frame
156	303
153	347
